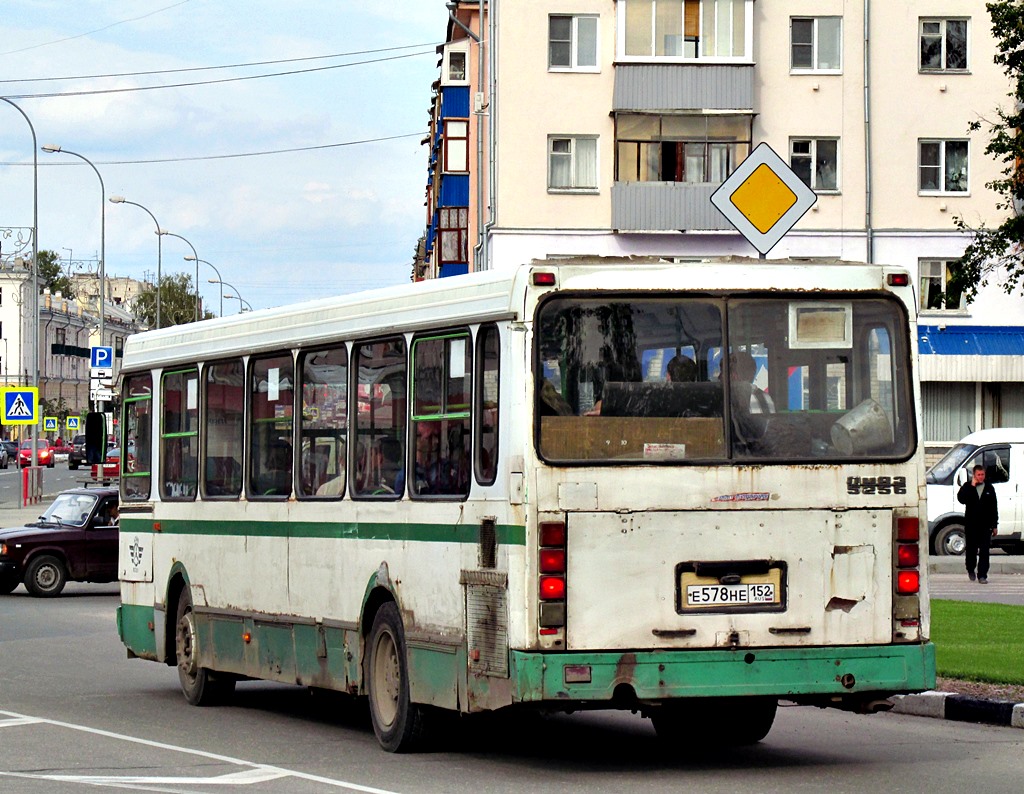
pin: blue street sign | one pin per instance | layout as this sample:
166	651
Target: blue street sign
20	405
73	423
102	357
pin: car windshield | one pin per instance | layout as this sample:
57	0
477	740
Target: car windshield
943	470
40	444
70	509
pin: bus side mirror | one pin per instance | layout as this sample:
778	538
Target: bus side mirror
95	437
961	476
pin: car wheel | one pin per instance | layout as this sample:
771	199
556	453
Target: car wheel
398	723
950	541
8	584
45	577
200	686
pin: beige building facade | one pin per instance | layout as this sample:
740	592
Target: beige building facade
603	127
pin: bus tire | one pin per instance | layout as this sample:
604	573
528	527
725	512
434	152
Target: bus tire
201	687
951	541
398	723
700	723
46	576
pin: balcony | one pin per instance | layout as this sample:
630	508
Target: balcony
683	87
665	206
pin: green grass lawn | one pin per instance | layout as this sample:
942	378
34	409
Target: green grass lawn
979	642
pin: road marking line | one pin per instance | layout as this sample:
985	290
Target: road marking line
276	770
11	723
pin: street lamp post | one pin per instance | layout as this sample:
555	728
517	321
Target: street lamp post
212	281
194	256
243	304
35	267
52	148
159	243
237	296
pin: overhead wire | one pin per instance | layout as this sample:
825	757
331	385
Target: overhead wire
100	91
186	69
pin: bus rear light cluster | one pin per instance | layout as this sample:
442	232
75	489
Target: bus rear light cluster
551	586
908	556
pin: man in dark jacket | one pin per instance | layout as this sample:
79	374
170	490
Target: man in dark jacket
981	517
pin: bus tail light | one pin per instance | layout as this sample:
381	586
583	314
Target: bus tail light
907	556
907	573
551	585
908	582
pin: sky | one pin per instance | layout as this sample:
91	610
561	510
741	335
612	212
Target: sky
280	228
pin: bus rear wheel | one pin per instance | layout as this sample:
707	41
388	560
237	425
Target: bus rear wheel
200	686
398	723
702	722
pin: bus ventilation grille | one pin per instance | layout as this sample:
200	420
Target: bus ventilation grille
487	630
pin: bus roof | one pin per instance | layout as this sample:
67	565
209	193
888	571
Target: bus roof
478	297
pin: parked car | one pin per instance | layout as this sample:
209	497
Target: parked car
1001	452
75	539
5	457
76	456
12	449
44	453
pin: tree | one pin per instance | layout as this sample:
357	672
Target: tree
177	302
1000	248
52	276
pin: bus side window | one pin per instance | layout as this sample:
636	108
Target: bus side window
223	429
137	428
179	435
380	370
486	439
270	431
324	422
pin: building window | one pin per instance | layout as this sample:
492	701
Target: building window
572	43
694	149
684	28
942	166
816	44
456	146
456	66
453	231
572	163
943	45
61	336
936	290
816	162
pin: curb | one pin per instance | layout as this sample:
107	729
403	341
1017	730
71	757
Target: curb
962	708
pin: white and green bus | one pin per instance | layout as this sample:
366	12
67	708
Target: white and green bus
687	489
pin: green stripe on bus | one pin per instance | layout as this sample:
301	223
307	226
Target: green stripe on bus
508	534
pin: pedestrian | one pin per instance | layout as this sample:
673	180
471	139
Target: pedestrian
981	517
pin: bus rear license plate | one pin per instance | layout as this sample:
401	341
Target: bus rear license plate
698	595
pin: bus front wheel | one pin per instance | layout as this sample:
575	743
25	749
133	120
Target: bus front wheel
700	722
398	723
200	686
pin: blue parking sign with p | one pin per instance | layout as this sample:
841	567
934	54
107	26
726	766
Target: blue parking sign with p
102	357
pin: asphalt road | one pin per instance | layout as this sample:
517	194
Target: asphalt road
76	715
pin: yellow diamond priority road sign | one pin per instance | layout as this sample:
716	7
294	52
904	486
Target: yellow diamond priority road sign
763	198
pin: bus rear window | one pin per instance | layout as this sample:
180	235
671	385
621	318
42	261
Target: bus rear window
661	380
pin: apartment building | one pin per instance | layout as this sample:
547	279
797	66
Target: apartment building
602	127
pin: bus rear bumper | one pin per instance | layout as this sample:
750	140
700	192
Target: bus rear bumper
655	676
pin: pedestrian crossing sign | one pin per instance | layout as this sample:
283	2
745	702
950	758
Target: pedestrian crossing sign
20	405
49	424
73	423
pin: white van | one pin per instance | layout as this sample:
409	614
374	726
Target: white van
1001	451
